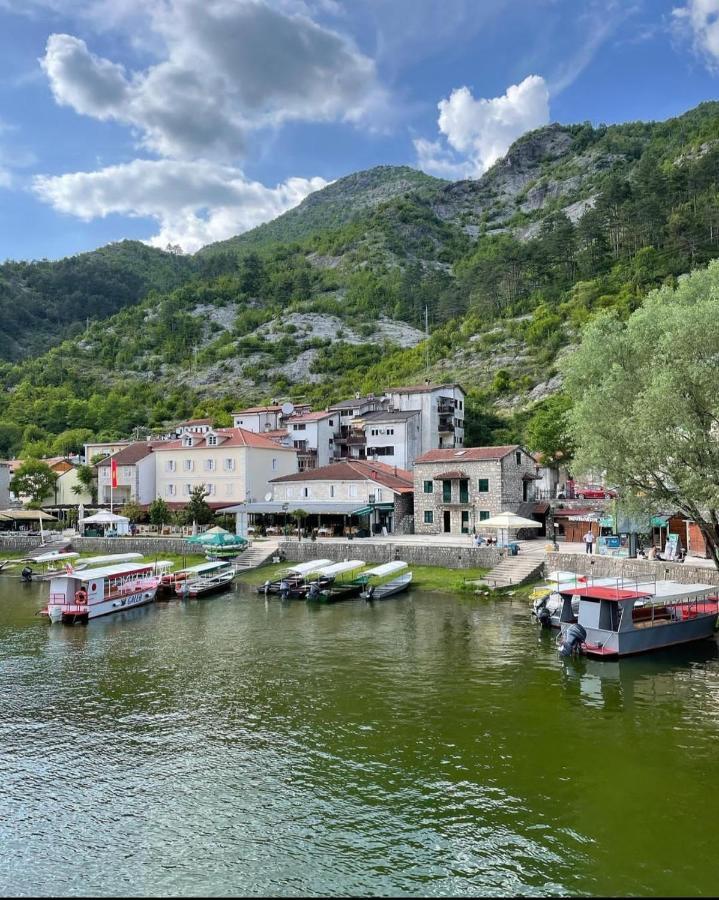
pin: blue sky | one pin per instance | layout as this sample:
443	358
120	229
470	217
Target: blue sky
188	121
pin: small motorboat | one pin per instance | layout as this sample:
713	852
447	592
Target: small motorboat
294	582
51	564
345	582
214	577
385	580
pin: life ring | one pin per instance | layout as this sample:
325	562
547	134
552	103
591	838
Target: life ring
81	596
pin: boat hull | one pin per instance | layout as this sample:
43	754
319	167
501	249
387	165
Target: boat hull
73	612
389	589
614	645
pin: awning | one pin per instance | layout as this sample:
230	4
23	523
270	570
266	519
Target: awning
367	510
659	521
449	476
312	508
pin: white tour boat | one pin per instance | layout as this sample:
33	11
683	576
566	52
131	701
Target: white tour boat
385	580
89	593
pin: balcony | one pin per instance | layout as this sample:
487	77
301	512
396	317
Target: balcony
446	426
445	407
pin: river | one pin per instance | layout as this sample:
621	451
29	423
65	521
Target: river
425	745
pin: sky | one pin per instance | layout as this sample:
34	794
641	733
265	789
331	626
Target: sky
184	122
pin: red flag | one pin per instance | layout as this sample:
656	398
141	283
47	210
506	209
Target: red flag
113	472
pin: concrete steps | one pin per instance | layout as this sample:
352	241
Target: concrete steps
256	555
512	570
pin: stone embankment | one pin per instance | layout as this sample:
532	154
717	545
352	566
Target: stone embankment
385	551
148	546
641	569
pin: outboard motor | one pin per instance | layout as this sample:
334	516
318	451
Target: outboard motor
573	640
26	574
544	617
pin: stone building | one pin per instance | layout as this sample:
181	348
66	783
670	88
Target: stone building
456	490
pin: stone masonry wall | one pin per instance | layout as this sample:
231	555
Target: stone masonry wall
146	545
490	501
643	569
372	552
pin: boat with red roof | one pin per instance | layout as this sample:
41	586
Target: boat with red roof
621	621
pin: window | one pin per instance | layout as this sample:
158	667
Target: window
188	488
209	465
483	514
229	465
211	489
274	464
211	440
229	489
170	490
390	431
127	471
379	495
518	457
305	492
429	487
290	493
353	490
446	491
187	441
170	465
428	517
332	490
188	465
483	485
464	490
465	521
380	451
299	427
332	423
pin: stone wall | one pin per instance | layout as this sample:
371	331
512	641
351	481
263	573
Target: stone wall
375	552
490	501
643	569
148	546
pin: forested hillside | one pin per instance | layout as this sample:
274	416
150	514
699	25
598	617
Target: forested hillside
574	220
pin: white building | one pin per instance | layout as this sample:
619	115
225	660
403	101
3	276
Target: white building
394	438
103	448
135	475
234	465
313	435
441	408
261	419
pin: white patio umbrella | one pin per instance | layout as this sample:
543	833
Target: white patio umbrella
509	521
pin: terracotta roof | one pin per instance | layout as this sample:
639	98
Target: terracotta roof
356	470
258	409
421	388
454	473
128	456
467	454
309	416
236	437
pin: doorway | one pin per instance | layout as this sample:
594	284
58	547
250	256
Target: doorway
447	521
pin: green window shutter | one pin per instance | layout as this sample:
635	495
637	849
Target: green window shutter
428	517
483	514
447	491
483	485
428	487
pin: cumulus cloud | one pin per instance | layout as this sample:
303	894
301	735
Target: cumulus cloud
230	66
195	203
701	18
479	132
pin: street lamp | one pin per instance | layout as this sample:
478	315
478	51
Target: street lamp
285	507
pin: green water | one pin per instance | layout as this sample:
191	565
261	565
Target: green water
426	745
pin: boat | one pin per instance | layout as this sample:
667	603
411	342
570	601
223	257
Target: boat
294	581
547	599
109	559
90	593
214	577
170	582
615	621
344	582
50	564
385	580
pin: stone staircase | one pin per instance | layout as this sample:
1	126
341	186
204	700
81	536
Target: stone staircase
512	570
257	554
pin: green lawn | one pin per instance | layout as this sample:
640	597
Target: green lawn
425	578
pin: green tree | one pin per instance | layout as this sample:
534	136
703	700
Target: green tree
159	512
10	439
87	478
548	430
645	401
35	479
197	509
132	510
71	441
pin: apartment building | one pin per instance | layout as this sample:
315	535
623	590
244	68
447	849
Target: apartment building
441	409
135	474
234	465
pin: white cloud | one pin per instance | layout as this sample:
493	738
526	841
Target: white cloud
701	17
479	132
195	203
230	66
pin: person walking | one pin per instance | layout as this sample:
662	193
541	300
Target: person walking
588	541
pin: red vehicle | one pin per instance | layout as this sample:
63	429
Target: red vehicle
593	492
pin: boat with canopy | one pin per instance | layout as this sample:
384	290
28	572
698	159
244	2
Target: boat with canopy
344	582
210	579
385	580
294	581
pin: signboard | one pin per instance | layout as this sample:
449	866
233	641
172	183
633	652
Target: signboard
671	548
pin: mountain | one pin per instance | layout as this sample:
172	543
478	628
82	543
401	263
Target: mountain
43	302
506	269
337	204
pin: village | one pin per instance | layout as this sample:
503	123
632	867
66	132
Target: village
391	467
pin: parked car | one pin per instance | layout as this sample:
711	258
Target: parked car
594	492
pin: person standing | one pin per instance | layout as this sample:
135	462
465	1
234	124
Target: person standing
588	541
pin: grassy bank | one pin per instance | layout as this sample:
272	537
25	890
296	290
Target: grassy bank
425	578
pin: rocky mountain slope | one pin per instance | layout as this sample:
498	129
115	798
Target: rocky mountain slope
333	297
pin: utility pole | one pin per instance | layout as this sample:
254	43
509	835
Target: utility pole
426	336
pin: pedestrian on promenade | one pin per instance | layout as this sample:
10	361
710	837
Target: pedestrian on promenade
588	541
